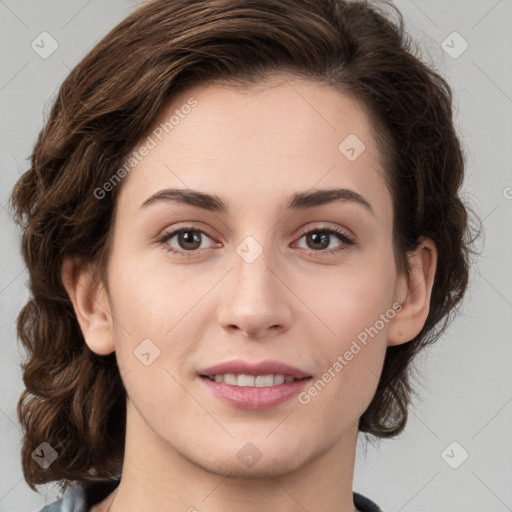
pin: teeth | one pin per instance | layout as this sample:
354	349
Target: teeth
258	381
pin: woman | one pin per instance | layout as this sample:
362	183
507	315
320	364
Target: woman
190	348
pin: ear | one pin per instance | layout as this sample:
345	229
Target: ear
90	302
413	291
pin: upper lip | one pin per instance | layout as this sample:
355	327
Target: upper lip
267	367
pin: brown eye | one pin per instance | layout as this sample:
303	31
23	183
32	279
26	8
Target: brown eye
188	241
319	239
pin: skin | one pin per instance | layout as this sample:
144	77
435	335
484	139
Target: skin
295	302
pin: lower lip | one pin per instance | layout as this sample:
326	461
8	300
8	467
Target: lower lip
245	397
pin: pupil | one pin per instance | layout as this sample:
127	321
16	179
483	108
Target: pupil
324	236
189	238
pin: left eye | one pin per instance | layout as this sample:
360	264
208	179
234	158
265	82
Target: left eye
322	237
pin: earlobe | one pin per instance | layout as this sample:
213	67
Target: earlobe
413	292
90	302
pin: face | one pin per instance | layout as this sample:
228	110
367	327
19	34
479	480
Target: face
256	281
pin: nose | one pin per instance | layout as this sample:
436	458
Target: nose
256	301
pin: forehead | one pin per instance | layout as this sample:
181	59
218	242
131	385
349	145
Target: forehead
264	140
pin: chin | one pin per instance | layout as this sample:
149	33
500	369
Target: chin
258	456
265	467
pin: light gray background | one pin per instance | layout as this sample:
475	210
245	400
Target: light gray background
466	385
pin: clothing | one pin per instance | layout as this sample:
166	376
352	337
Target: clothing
81	497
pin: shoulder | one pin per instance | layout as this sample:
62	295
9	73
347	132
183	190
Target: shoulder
73	500
81	496
364	504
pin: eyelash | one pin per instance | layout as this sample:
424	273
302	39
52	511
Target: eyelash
342	236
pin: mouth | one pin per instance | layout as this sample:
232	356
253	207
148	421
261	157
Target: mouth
253	381
253	392
253	385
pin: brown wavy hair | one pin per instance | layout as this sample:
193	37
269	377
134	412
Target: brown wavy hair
75	399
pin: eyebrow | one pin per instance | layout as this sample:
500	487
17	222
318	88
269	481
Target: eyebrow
298	201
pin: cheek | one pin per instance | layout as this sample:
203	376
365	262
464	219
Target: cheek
153	334
355	309
146	315
353	300
352	354
146	301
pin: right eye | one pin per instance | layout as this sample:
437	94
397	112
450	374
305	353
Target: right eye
188	237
